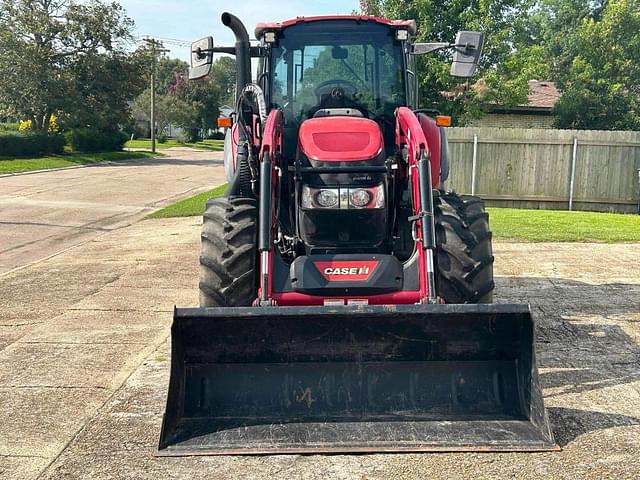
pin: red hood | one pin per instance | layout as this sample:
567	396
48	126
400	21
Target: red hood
340	139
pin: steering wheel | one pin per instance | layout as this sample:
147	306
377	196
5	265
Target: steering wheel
337	89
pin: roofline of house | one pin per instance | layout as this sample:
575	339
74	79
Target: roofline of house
521	109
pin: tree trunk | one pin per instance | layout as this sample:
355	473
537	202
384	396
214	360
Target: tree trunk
40	122
46	122
36	123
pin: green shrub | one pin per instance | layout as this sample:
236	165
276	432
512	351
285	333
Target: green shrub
162	139
183	137
56	143
191	135
26	144
9	127
90	140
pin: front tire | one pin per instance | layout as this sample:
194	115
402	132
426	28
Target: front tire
464	255
228	256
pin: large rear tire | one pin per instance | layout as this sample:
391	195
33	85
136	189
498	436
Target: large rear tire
228	257
464	254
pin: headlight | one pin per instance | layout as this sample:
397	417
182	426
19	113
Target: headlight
320	197
343	198
327	198
359	198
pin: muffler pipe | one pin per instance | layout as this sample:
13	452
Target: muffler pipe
243	51
241	185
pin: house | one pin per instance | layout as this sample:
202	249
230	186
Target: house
226	111
535	114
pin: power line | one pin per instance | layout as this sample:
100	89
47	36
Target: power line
168	41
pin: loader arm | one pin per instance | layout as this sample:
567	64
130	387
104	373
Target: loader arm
409	133
271	167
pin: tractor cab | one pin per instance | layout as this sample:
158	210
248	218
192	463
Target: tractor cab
338	82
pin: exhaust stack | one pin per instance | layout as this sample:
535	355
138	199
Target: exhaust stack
243	54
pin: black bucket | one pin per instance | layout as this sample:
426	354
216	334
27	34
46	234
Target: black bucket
354	379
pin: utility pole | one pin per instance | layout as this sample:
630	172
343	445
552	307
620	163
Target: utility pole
153	105
156	49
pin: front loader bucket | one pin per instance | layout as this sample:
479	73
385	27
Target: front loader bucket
354	379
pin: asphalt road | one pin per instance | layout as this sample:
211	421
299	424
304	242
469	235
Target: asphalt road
84	363
44	213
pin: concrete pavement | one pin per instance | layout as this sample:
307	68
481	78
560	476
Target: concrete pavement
74	327
84	363
47	212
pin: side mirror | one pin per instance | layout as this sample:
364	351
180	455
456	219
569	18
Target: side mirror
201	58
468	48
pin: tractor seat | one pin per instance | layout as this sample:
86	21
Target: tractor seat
338	112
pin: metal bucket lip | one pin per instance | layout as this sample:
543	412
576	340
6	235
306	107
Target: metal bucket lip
177	452
376	310
539	442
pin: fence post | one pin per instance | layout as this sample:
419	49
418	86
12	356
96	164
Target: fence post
573	171
474	164
638	191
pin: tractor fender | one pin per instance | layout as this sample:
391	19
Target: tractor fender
445	155
434	141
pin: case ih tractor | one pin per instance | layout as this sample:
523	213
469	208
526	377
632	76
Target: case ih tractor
344	294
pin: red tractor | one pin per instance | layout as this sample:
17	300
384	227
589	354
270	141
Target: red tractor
344	294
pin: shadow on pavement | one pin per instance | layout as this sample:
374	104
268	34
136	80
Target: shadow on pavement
584	343
569	423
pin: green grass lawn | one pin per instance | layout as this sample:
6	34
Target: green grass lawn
211	145
17	165
190	207
563	226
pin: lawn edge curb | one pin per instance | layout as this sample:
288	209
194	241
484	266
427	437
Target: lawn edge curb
95	164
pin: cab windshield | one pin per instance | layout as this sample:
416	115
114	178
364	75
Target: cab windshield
338	64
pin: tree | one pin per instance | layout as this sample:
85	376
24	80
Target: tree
190	105
223	74
203	97
170	110
601	90
62	56
103	86
553	24
168	71
506	62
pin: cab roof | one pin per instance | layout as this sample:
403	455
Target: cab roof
262	27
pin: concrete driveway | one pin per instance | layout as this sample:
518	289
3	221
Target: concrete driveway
84	363
44	213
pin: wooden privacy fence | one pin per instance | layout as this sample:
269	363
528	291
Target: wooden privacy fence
544	168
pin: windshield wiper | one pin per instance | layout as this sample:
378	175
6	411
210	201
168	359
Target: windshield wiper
353	72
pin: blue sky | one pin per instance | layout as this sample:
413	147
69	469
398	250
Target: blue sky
193	19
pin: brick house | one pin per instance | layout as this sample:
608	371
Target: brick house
535	114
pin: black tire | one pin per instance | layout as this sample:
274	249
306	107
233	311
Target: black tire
228	258
464	255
